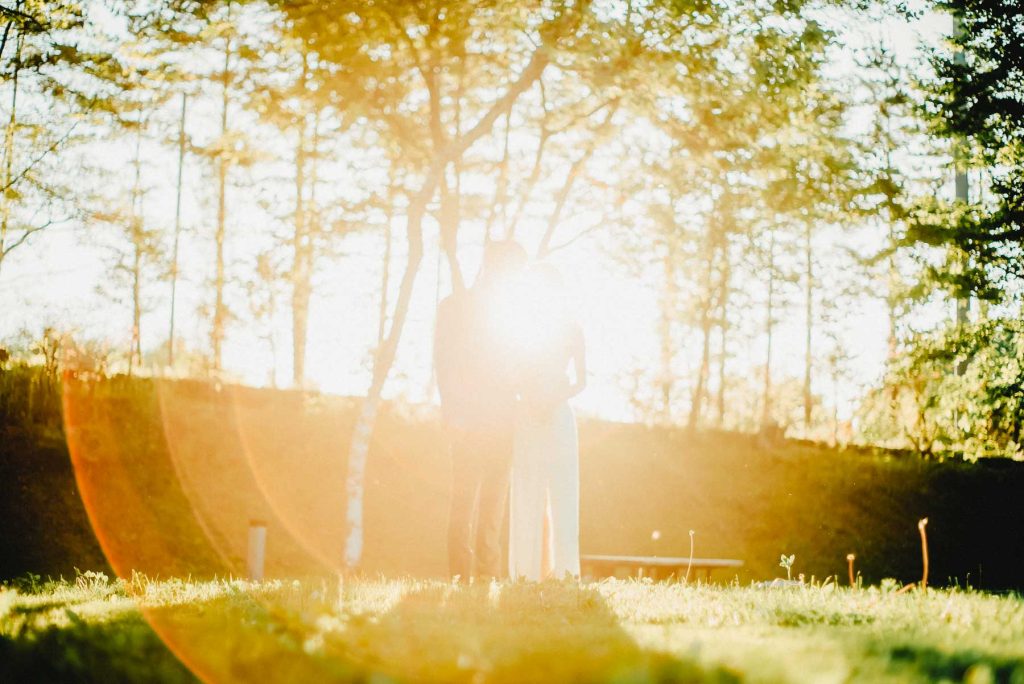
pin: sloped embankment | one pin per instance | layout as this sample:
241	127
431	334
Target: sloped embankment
172	473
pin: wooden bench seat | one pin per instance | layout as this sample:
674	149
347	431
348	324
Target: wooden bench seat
655	567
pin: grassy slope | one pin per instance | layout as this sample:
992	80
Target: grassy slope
430	631
172	472
44	528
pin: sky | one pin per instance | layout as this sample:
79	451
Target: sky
62	279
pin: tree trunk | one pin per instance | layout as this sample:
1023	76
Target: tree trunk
667	318
700	387
300	256
449	220
385	274
808	353
835	405
723	330
271	337
137	242
177	231
450	189
359	445
136	347
219	308
893	273
892	341
12	123
766	401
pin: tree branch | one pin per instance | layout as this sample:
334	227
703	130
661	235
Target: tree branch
583	233
25	236
3	41
538	158
49	150
418	206
531	72
570	180
18	15
545	135
501	187
413	50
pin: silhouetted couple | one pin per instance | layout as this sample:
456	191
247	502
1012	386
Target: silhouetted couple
503	351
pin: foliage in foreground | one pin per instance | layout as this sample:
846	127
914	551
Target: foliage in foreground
962	388
331	630
978	411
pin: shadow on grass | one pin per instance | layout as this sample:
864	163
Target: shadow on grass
550	632
231	638
961	665
521	632
120	650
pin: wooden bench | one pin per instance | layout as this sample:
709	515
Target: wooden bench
655	567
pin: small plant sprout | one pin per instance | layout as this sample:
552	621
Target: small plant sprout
787	563
921	524
849	563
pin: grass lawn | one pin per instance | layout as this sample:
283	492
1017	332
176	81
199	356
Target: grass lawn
414	630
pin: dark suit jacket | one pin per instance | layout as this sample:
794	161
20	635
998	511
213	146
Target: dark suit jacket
475	376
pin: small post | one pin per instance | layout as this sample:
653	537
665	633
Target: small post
257	549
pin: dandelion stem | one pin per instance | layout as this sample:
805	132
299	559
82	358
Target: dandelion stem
921	524
689	563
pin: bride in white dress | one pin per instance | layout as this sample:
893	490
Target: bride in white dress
544	528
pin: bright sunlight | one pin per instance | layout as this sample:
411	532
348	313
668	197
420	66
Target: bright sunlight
524	341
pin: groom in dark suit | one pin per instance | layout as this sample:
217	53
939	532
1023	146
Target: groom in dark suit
478	398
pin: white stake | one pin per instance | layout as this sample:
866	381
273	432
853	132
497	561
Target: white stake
257	549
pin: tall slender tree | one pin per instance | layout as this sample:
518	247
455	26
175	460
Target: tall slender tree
53	90
212	34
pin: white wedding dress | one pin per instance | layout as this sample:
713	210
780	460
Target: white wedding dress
545	496
544	504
